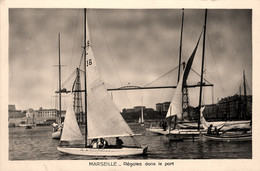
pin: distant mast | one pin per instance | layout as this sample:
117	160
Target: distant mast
142	113
59	80
245	94
202	67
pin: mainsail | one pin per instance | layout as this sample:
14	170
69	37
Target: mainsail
71	131
175	107
104	119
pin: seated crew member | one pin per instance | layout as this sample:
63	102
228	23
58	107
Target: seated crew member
119	142
209	129
94	143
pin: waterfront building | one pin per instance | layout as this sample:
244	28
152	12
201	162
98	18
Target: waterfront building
13	113
15	116
162	107
47	113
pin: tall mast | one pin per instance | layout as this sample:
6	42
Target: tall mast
180	53
59	80
180	46
202	66
85	76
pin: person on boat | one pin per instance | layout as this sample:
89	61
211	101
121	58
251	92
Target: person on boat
119	142
55	126
164	125
105	143
94	143
100	142
216	130
209	129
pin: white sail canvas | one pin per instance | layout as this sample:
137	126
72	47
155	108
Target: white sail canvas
175	107
71	131
104	119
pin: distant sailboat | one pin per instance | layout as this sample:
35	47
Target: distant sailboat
30	125
103	119
57	128
142	114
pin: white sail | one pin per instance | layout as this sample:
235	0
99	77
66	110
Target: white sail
71	129
104	119
175	107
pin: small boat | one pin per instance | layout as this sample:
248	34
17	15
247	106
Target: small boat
224	135
102	118
28	126
56	134
232	136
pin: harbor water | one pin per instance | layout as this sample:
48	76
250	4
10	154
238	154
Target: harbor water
37	144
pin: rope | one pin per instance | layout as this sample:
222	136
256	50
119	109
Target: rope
223	90
68	79
162	76
113	61
199	76
75	28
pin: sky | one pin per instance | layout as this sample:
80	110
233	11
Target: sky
132	47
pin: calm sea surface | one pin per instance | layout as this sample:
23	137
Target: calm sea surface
37	144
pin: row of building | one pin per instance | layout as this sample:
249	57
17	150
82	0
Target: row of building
41	116
229	108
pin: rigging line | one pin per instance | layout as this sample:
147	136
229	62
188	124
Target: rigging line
75	28
215	63
162	76
68	79
113	61
199	76
81	58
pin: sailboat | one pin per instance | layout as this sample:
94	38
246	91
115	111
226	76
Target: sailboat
226	125
222	132
102	118
57	129
228	130
141	119
175	110
30	125
244	125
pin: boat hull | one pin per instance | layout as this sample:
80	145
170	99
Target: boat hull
159	131
56	134
28	127
181	134
228	137
125	151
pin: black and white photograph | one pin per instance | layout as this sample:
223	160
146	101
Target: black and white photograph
129	87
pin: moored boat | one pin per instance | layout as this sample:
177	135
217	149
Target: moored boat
232	136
